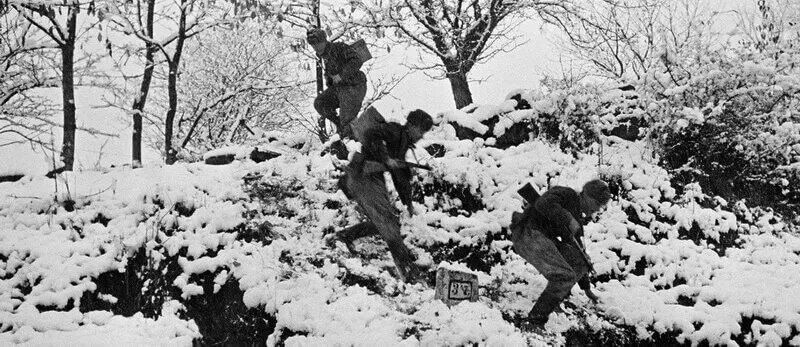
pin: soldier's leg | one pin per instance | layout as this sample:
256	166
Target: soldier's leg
575	259
544	255
326	104
350	99
371	194
573	255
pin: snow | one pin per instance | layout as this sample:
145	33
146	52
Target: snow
100	328
658	280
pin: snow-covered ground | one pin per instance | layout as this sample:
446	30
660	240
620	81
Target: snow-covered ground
682	266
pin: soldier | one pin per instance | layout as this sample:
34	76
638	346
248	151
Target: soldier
346	85
385	145
558	214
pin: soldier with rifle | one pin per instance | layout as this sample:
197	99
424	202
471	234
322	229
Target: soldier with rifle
547	234
384	149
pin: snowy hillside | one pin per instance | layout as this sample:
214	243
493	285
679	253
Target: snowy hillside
235	253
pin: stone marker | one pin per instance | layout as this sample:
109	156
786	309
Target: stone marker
453	286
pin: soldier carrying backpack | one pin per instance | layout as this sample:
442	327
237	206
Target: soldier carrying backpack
384	146
547	234
346	83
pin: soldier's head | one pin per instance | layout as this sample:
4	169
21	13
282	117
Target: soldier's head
594	196
317	38
418	123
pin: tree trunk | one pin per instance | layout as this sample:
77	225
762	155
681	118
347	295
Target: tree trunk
461	93
68	91
320	78
172	88
322	131
138	104
318	20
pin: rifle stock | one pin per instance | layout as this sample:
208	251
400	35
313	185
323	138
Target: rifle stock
528	193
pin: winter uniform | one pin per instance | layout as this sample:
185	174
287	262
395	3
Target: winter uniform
348	94
384	141
560	262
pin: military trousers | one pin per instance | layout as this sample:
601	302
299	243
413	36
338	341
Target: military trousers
347	99
370	193
561	263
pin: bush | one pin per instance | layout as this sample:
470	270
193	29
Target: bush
567	116
733	126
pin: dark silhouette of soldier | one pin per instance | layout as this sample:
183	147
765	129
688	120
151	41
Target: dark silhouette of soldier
385	145
548	236
346	85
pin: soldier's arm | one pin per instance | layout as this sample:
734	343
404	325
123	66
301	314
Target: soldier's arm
550	205
375	142
402	183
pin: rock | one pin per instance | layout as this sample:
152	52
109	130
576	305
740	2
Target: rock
454	286
628	129
220	159
10	178
259	156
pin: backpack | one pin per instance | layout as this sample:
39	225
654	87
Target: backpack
361	50
367	119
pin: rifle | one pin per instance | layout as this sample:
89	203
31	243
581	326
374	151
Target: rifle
371	167
583	254
530	195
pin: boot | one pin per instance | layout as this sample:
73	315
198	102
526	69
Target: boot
409	273
339	149
542	309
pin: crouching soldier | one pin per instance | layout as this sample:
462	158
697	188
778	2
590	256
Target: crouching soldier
385	147
548	236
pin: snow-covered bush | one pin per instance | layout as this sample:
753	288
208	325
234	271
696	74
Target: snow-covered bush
570	117
731	122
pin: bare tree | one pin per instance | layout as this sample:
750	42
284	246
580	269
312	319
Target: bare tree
178	22
773	22
458	34
58	22
628	38
136	19
24	117
237	79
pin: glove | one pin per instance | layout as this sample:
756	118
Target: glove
574	227
392	164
